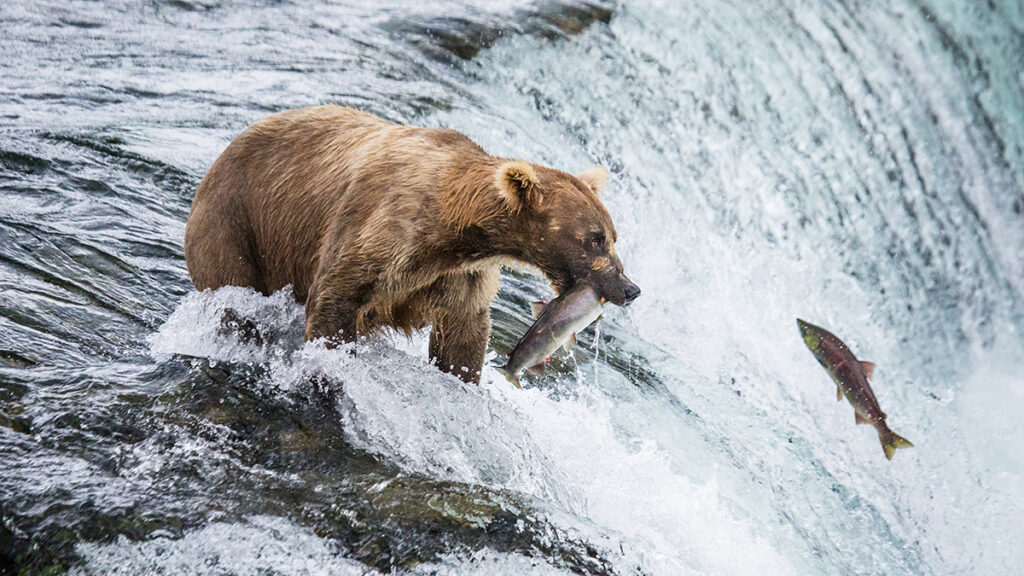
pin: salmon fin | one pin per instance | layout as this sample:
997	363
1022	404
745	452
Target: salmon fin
570	342
537	307
892	442
537	368
861	419
504	371
839	394
869	368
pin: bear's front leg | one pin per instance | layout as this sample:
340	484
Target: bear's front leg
330	314
458	342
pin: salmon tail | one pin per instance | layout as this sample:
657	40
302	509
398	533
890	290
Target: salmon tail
891	441
504	371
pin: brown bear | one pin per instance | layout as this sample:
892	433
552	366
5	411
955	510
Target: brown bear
376	225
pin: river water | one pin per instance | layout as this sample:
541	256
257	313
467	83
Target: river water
859	165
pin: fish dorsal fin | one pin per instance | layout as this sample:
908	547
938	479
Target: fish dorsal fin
839	394
570	342
537	369
537	307
861	419
869	368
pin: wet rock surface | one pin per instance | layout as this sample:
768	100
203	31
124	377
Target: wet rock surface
446	39
283	455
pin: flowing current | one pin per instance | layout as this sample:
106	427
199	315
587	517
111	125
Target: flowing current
859	165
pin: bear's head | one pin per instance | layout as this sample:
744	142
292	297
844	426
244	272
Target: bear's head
561	226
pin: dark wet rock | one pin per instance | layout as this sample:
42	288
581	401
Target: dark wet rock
245	329
28	546
267	452
446	39
190	5
19	555
403	521
19	425
11	391
21	163
380	515
13	359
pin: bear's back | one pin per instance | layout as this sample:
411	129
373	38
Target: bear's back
274	192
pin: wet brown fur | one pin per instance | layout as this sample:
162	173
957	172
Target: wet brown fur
378	225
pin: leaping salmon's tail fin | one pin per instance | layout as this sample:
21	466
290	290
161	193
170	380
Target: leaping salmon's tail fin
504	371
891	441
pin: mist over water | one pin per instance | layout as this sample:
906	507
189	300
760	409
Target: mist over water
858	165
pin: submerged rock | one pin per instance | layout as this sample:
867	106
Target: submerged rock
14	423
446	39
12	359
380	515
222	445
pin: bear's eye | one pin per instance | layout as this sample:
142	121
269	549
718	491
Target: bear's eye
596	242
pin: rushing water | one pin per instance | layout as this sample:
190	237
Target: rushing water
859	165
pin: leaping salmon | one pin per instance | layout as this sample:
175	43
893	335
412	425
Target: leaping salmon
851	377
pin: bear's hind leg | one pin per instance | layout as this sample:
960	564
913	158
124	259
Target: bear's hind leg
217	254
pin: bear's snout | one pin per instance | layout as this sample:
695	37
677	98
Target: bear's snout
632	291
617	289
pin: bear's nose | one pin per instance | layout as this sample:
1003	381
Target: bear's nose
632	291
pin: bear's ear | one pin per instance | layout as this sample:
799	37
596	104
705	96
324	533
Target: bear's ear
517	183
595	178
